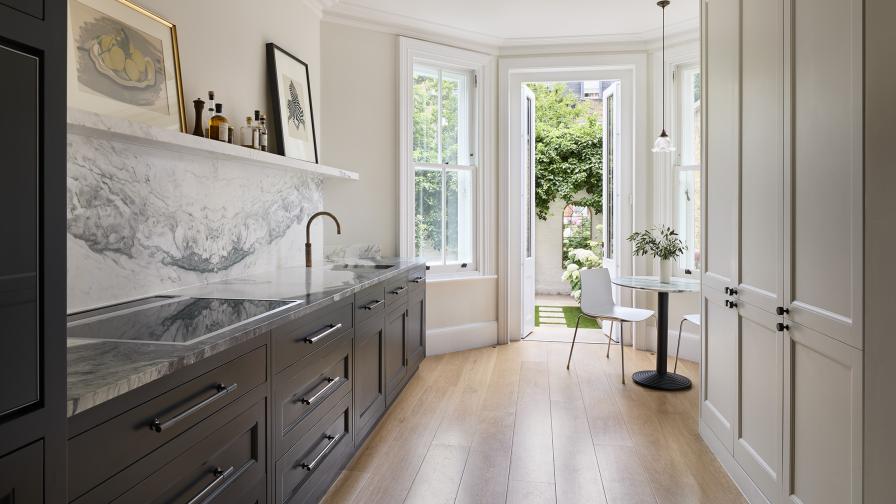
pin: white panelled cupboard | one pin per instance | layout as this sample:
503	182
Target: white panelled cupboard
781	402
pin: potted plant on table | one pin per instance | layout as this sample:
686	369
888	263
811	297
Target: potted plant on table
661	242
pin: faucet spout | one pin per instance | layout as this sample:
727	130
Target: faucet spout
308	234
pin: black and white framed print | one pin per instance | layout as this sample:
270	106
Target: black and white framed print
291	99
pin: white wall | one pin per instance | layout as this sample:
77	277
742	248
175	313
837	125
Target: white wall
222	49
549	252
461	314
360	81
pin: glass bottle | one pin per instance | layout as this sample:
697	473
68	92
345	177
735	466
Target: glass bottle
218	126
248	134
262	134
211	108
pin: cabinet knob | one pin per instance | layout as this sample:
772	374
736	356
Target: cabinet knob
730	304
781	310
781	327
727	290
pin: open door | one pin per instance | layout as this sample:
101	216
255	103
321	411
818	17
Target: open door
527	169
611	191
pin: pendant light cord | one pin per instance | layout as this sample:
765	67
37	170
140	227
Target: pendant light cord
663	6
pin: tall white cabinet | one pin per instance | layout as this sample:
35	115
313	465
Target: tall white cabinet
781	401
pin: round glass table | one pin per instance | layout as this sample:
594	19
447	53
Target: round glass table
660	378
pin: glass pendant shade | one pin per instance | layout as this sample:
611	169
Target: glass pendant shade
663	143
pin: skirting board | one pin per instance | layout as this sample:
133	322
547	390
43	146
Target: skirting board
746	486
462	337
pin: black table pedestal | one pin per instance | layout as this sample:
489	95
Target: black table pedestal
661	379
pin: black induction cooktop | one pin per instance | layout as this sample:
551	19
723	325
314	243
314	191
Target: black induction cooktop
169	320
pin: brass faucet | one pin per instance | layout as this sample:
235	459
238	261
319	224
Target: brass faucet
308	234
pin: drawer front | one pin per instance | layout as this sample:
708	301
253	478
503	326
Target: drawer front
417	279
21	475
369	302
110	447
307	390
299	338
221	468
305	472
396	291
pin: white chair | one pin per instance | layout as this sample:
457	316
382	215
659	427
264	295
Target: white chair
693	318
597	303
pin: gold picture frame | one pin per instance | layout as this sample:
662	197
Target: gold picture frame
124	61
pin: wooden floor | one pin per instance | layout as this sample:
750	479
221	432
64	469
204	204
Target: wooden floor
511	424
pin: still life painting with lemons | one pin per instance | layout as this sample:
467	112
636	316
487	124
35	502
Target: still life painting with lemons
117	60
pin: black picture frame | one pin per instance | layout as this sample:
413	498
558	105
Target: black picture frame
277	103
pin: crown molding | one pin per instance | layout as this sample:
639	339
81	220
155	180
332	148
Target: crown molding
319	6
382	21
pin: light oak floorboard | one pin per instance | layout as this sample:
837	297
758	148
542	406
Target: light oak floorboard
511	424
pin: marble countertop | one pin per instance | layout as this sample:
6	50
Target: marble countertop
99	370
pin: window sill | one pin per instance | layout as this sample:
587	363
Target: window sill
459	275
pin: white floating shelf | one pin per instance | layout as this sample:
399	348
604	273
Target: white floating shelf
89	124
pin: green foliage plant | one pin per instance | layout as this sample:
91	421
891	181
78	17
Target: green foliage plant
661	242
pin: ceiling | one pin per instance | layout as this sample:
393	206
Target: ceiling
523	22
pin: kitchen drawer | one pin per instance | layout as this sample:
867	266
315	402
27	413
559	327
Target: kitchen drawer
369	302
305	473
396	291
106	449
21	475
298	338
307	390
221	468
417	279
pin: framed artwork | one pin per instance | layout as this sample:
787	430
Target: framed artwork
291	98
123	62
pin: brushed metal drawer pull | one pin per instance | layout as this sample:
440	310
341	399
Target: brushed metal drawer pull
400	290
372	305
418	280
332	383
320	456
220	476
330	329
158	425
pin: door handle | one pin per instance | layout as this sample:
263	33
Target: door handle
331	384
399	290
310	466
220	476
372	305
781	310
781	327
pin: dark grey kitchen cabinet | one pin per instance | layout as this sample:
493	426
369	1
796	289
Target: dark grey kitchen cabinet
415	336
21	475
369	393
396	362
32	265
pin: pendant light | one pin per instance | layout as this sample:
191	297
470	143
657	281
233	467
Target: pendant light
663	143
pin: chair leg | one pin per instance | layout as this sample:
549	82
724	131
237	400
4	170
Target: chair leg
678	346
621	351
574	334
610	337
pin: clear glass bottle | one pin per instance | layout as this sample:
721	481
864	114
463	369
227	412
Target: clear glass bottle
262	134
256	127
218	125
248	134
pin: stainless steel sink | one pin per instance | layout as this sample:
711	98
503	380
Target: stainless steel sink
363	266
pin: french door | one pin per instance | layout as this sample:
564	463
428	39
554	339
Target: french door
527	168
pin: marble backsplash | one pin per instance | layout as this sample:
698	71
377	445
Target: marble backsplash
142	221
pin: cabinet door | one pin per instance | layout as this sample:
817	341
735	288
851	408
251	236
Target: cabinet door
721	68
757	445
21	475
822	419
718	407
369	392
824	205
415	338
20	336
396	357
761	241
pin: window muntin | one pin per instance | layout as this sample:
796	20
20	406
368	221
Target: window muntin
443	160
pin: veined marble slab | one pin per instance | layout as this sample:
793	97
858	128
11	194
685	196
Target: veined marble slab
100	370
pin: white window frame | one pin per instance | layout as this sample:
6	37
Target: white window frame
479	67
677	166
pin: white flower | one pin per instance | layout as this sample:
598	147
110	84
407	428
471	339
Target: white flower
572	267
